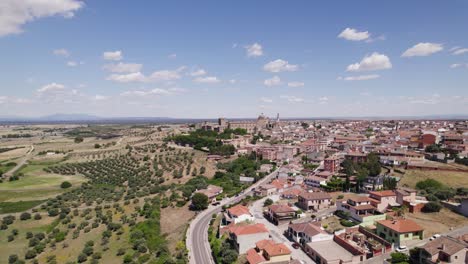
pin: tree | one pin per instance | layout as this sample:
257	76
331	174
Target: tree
65	185
12	259
398	257
78	139
431	207
268	202
429	184
30	254
199	201
82	258
25	216
389	183
228	256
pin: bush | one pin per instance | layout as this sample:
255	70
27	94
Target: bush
398	257
65	185
82	258
432	207
347	223
12	259
37	216
30	254
25	216
268	202
429	184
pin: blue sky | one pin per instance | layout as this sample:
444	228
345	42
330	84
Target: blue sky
235	59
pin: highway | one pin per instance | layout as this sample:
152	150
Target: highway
197	233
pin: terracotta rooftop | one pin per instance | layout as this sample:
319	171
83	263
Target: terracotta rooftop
364	207
315	195
253	257
309	228
238	210
401	226
248	229
281	208
385	193
444	244
279	249
359	199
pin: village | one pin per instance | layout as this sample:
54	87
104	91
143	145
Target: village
339	192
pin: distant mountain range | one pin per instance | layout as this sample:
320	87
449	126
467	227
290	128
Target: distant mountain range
87	118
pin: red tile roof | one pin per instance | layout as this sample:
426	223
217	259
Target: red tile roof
253	257
281	208
383	193
248	229
315	195
401	226
277	250
239	210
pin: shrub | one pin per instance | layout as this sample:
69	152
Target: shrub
268	202
429	184
431	207
30	254
82	258
65	185
25	216
199	201
37	216
12	259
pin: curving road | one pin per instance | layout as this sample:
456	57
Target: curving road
21	163
197	233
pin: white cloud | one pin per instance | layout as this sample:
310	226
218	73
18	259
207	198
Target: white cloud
423	49
126	78
123	67
460	51
51	87
459	65
254	50
15	13
72	64
112	55
61	52
266	100
232	81
198	72
172	56
142	93
292	99
165	75
274	81
323	100
208	79
354	34
373	62
280	66
296	84
361	77
98	97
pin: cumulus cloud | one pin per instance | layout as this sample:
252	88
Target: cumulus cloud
15	13
361	77
373	62
460	51
198	72
112	55
274	81
423	49
292	99
123	67
51	87
72	63
208	79
295	84
354	34
280	66
266	100
142	93
254	50
127	78
165	75
61	52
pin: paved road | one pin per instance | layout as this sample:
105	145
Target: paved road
197	233
21	163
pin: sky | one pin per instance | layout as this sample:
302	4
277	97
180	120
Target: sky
208	59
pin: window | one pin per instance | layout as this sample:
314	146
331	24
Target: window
406	235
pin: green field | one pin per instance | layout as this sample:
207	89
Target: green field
15	207
35	185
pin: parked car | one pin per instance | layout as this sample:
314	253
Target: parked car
296	245
434	237
401	248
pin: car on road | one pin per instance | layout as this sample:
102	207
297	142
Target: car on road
435	236
401	249
296	245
